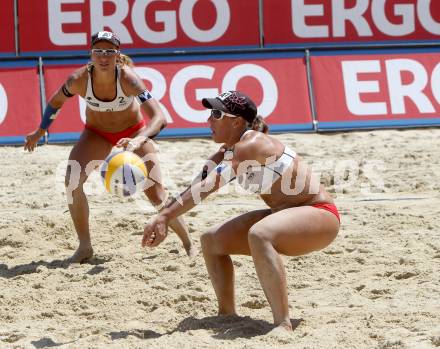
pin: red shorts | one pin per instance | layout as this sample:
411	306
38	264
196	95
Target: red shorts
329	207
114	137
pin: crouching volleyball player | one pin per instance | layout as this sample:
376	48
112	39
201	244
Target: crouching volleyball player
301	216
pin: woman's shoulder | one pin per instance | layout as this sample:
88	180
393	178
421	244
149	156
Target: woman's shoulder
130	81
82	71
252	138
127	73
253	145
79	75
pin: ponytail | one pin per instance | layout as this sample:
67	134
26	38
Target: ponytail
259	125
125	61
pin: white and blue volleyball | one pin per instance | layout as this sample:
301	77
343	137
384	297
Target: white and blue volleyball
123	173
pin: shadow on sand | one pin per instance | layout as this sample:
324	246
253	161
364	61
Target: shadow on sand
230	327
30	268
47	342
224	327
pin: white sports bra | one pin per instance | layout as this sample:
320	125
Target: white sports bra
257	178
260	178
121	101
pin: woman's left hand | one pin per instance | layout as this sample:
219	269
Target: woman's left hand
131	144
155	231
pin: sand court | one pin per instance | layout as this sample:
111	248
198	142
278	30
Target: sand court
376	286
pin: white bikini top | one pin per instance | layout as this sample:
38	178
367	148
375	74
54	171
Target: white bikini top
257	178
260	178
121	101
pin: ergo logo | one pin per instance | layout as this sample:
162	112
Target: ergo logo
177	88
398	91
58	17
3	104
407	14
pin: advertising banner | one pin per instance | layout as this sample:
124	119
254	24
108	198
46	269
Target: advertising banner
297	22
278	85
20	111
66	25
7	33
377	90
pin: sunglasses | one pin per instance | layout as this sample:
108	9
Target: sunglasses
102	52
220	114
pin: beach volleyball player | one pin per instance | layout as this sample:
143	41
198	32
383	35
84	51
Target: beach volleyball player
301	216
114	96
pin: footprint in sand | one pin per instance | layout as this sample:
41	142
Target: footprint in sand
255	304
405	275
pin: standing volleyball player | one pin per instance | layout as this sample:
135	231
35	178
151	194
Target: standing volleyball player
114	96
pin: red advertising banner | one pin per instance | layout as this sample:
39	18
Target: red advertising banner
323	21
355	91
7	33
277	85
20	111
68	24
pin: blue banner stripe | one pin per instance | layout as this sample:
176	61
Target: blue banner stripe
12	140
15	140
18	64
345	125
375	51
66	137
140	51
411	44
185	132
188	57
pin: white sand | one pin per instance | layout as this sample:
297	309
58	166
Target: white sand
376	286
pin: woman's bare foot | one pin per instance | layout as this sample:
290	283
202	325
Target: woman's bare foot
190	249
282	328
81	254
180	228
282	333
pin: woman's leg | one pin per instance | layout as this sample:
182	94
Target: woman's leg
230	237
89	147
157	195
294	231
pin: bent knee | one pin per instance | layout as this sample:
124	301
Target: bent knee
258	235
72	183
207	240
213	242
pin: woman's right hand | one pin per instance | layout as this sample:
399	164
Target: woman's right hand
32	139
155	231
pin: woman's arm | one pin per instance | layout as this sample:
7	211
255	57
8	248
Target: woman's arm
156	231
216	173
210	164
133	85
65	91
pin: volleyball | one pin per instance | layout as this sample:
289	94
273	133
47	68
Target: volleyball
123	173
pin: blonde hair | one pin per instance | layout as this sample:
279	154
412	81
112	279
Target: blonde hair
125	61
259	125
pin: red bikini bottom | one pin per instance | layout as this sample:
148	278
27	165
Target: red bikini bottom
329	207
114	137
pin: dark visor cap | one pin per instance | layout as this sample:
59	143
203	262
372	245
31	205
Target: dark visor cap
233	102
106	36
